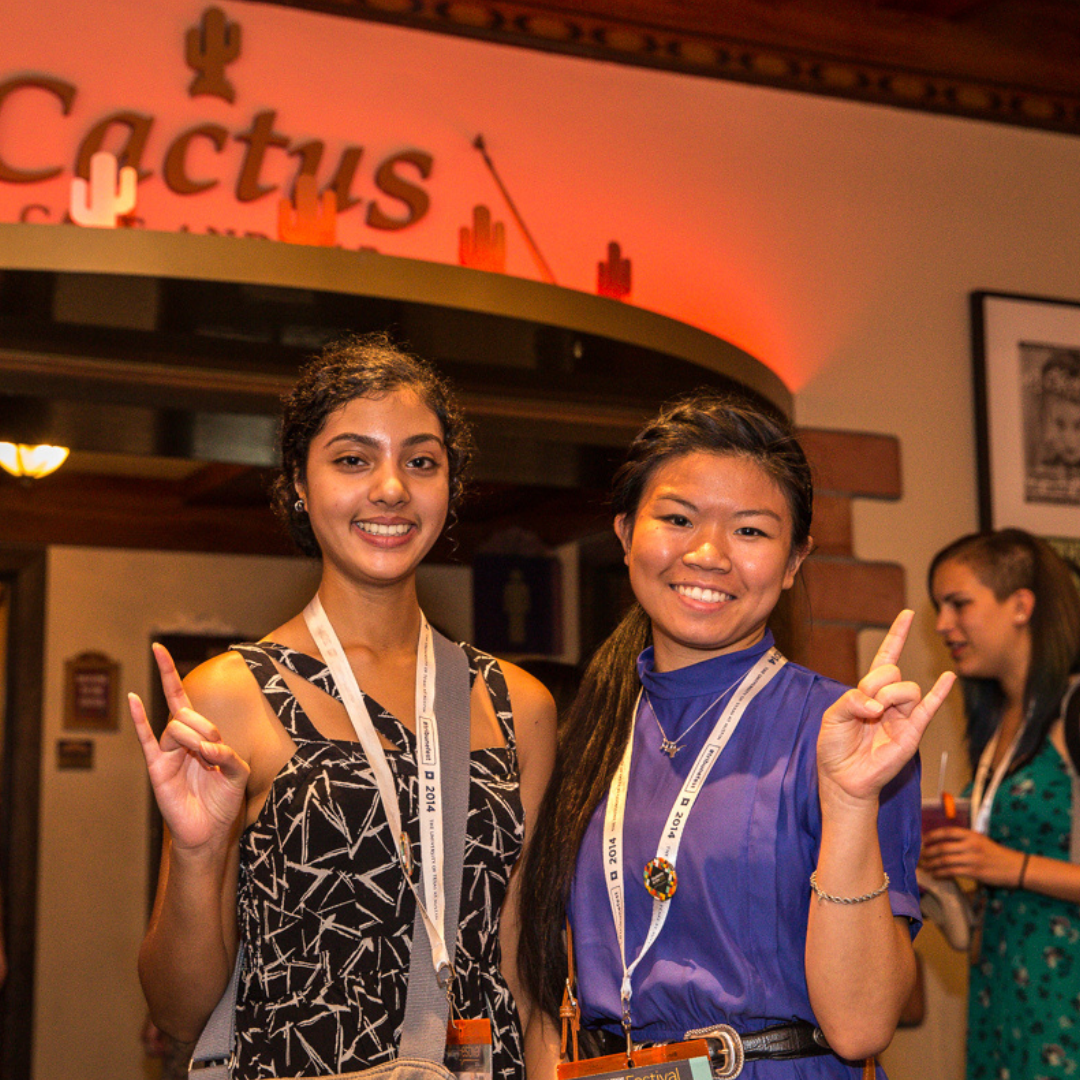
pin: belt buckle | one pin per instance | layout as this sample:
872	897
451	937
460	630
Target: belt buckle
730	1042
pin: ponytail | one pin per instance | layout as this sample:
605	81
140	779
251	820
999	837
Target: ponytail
592	741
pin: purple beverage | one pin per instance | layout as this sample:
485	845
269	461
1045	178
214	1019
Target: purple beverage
935	814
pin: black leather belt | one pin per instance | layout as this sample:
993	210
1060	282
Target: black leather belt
728	1048
782	1041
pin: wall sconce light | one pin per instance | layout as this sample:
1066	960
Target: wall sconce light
31	462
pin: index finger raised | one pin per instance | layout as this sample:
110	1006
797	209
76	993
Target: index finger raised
895	639
175	694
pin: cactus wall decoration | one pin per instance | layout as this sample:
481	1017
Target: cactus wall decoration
313	220
211	45
194	160
483	247
613	276
108	194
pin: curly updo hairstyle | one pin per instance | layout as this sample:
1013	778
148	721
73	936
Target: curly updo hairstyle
359	366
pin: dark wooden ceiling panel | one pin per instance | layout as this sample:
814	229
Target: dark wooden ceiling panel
1010	61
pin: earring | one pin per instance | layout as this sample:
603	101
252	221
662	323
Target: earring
299	507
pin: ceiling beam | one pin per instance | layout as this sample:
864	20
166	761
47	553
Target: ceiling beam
1009	62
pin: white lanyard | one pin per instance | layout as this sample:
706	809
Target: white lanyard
427	767
982	797
755	680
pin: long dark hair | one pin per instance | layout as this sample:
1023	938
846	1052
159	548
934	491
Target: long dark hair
367	365
597	727
1005	561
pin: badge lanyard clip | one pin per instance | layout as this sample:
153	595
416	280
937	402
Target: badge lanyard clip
626	1023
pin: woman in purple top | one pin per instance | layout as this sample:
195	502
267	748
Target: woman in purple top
732	836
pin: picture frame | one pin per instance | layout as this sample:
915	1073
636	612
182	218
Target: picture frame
1026	352
91	682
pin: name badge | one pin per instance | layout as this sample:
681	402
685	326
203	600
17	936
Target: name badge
468	1049
674	1061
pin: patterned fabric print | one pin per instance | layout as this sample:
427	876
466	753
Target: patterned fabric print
325	913
1024	1004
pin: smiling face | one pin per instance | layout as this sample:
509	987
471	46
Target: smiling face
376	486
987	638
709	552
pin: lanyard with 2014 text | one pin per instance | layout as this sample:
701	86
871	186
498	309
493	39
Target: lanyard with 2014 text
428	770
755	680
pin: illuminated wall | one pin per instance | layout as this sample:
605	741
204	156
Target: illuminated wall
670	167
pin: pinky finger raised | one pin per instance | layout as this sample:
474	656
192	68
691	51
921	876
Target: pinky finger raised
938	692
147	740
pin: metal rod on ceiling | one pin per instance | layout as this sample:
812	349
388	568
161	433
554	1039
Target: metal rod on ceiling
541	262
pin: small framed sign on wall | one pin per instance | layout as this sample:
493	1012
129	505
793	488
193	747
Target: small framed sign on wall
91	686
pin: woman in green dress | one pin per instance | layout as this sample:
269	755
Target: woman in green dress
1009	613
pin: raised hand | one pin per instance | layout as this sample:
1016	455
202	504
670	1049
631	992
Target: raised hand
870	733
199	782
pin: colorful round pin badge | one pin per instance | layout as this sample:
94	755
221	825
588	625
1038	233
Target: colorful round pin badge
660	879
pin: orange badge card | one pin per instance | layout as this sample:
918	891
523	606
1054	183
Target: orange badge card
671	1061
468	1049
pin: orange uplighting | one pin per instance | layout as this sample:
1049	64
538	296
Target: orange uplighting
708	223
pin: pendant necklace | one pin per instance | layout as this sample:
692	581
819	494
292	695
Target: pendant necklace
670	746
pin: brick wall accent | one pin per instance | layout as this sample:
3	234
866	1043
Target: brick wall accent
841	594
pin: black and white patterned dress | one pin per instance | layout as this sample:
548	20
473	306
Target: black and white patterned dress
324	911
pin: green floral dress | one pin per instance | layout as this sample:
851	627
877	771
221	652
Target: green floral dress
1024	1004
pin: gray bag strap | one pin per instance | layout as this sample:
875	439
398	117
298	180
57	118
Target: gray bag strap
423	1033
213	1052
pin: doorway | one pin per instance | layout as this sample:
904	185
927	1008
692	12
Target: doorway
22	627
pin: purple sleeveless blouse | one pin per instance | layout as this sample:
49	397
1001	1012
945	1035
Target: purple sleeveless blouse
732	948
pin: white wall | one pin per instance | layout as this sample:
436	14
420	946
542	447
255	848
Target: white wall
93	857
933	209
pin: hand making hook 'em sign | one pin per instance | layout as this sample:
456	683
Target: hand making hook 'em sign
872	731
199	782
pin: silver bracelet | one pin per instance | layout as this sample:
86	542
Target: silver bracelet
821	895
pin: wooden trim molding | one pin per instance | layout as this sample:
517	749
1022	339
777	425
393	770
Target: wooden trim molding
360	273
674	43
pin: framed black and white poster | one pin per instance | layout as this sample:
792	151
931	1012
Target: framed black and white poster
1027	402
